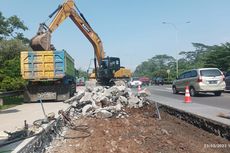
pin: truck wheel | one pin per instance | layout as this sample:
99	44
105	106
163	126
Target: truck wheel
217	93
174	90
192	92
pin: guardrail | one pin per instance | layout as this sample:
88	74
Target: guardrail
11	93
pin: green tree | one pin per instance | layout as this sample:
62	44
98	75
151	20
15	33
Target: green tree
11	27
9	49
218	56
81	73
193	59
203	56
10	78
12	41
156	66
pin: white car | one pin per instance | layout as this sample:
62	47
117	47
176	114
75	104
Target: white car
134	82
200	80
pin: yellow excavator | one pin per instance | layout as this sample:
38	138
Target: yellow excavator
107	69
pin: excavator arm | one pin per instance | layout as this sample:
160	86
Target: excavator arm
42	41
108	68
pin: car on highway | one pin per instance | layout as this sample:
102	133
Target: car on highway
145	81
134	82
159	81
227	80
80	81
200	80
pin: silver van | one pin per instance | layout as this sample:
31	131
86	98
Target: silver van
200	80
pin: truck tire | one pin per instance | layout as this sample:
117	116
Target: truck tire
217	93
63	92
174	90
192	92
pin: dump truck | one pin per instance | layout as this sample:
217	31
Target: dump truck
50	75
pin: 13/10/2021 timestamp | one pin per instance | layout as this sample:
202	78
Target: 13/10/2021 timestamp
216	145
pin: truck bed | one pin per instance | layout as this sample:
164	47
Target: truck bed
46	65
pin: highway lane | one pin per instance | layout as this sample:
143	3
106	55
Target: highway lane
222	101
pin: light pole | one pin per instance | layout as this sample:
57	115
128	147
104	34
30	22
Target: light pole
177	42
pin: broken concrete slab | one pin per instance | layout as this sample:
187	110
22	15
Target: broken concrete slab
105	101
111	99
144	93
120	83
113	90
113	109
121	88
86	109
123	100
86	98
133	101
69	101
98	89
107	93
80	94
103	114
89	88
224	115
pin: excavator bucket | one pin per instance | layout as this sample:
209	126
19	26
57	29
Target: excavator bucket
41	42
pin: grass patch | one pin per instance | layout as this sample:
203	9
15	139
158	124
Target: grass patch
12	101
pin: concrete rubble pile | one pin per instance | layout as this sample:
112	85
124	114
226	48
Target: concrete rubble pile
106	102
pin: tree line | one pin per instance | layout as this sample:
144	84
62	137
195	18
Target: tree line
202	56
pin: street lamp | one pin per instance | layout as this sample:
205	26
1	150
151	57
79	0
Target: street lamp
177	42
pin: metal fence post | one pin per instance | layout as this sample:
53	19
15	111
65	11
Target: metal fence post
1	101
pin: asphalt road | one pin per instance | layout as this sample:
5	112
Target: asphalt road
222	101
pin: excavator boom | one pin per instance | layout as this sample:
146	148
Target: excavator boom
42	41
107	68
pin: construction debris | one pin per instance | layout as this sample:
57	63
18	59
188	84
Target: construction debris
138	132
224	115
106	102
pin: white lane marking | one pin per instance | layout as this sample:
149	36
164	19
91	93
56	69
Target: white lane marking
167	90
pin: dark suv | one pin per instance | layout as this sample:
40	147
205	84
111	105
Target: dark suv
159	81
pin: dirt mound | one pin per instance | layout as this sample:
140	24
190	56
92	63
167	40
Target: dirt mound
141	133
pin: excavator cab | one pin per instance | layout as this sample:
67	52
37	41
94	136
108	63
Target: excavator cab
108	66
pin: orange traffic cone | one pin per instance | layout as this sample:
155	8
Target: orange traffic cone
139	88
187	98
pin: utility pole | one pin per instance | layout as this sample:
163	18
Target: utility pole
177	43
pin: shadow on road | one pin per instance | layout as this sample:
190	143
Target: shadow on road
44	101
202	95
9	111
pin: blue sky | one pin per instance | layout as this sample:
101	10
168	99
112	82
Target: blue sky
130	29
